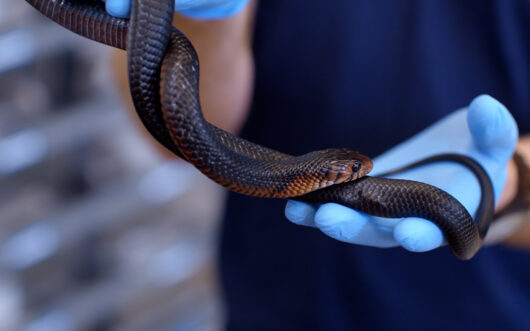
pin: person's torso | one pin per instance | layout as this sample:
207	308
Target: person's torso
368	75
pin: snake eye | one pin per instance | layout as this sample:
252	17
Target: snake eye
355	167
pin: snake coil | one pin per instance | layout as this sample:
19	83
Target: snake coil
163	77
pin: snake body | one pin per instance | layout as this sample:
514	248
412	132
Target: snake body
163	76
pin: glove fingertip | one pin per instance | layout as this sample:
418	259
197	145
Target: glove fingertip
227	10
300	213
339	222
331	213
418	235
492	126
118	8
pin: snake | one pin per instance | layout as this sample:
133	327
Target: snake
163	70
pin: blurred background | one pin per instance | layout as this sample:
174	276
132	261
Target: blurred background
98	230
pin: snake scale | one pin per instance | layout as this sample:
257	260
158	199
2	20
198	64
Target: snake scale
163	77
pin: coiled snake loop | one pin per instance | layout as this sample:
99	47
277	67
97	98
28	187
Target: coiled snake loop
163	76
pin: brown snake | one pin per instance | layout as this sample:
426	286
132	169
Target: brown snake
163	75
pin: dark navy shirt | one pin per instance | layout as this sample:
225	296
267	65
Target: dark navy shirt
368	75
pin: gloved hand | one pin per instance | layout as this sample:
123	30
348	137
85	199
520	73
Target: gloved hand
201	9
489	137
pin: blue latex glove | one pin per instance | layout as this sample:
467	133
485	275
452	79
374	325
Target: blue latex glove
200	9
489	137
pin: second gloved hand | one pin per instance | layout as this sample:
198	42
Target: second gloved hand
200	9
489	137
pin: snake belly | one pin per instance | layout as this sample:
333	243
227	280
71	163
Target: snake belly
163	73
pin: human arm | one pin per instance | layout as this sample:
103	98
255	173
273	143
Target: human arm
520	184
489	136
226	65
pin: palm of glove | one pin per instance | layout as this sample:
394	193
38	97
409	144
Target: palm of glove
489	135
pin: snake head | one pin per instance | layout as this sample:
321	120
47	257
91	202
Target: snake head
347	166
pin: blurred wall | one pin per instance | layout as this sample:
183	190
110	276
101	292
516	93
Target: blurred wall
98	230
